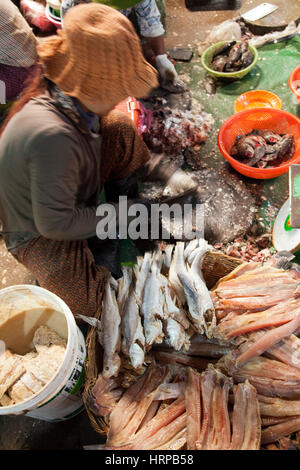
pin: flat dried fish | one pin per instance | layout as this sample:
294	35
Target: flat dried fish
246	422
274	433
193	408
106	395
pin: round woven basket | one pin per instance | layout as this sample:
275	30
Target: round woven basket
215	266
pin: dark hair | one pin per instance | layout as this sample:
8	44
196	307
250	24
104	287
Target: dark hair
35	85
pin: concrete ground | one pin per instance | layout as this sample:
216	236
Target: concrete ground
185	29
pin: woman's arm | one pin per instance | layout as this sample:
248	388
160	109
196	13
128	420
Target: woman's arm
55	180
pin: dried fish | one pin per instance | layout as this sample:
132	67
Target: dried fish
215	428
165	434
164	418
193	408
287	351
278	407
110	333
132	329
175	312
175	334
177	266
246	422
273	433
271	338
190	247
201	346
124	287
141	274
198	363
200	305
106	395
152	306
128	414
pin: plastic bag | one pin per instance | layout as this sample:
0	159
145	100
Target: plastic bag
276	36
229	30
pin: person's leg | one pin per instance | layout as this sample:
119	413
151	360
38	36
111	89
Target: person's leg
68	270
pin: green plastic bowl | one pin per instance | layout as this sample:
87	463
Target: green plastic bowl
206	60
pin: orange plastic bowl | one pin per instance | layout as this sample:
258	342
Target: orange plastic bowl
276	120
257	99
294	79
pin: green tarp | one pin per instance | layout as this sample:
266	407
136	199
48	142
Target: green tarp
275	63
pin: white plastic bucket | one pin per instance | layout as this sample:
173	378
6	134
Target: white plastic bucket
60	399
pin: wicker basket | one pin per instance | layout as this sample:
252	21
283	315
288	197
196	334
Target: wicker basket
215	266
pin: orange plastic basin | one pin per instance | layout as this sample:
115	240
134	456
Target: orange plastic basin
257	99
294	80
244	122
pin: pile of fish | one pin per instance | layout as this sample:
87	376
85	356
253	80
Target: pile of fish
173	130
232	57
150	414
171	407
255	297
163	297
212	424
258	309
197	374
263	148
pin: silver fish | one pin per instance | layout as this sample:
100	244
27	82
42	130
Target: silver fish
191	246
197	294
141	272
133	334
193	255
175	321
152	305
177	266
176	335
168	255
206	301
123	287
110	333
173	311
